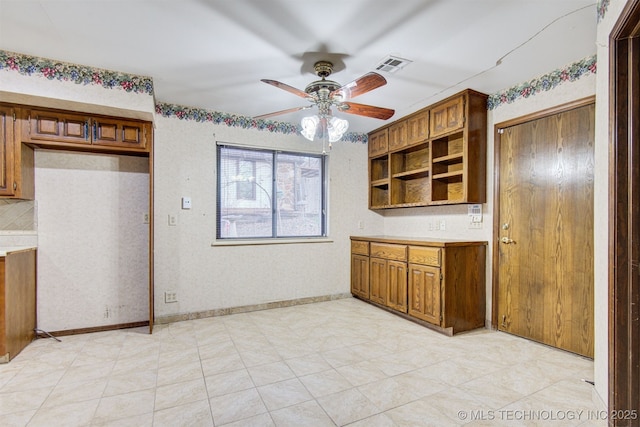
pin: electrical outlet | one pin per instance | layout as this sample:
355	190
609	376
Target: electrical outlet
145	218
443	224
170	296
476	225
173	220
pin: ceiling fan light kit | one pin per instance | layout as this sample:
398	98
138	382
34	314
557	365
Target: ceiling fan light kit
326	94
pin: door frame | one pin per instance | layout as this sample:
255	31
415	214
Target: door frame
496	188
624	211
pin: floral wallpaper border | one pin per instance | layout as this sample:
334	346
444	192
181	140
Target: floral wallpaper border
602	7
201	115
62	71
79	74
544	83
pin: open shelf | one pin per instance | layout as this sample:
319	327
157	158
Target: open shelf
412	174
451	158
442	161
449	176
380	183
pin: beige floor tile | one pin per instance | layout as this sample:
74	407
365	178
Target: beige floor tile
21	401
420	413
142	420
270	373
348	406
262	420
303	414
378	420
27	380
236	406
179	372
76	392
187	415
282	394
326	382
180	393
388	393
125	405
228	382
309	364
221	364
77	414
362	373
331	363
261	356
16	419
127	383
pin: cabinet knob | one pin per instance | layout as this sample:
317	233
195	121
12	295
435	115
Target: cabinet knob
15	185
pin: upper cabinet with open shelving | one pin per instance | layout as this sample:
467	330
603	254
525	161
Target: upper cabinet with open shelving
432	157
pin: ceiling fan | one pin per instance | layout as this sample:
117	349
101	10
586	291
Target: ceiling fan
325	94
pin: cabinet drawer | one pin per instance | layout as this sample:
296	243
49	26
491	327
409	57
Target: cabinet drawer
361	248
424	255
386	251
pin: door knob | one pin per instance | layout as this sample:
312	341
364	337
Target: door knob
507	241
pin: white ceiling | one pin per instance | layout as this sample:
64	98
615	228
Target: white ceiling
212	53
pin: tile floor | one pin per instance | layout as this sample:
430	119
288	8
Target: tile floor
333	363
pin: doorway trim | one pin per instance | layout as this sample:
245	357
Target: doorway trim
496	187
624	211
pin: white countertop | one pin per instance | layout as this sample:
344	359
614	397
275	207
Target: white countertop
5	250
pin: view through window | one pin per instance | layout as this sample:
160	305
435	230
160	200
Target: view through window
270	194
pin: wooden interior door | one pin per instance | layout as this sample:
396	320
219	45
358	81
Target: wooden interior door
545	228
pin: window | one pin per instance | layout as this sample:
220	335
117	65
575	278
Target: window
270	194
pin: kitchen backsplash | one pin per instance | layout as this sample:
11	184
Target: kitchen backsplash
18	215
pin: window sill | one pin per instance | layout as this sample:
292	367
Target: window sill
250	242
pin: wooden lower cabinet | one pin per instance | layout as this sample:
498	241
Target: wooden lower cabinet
424	293
397	285
378	280
438	283
18	300
360	275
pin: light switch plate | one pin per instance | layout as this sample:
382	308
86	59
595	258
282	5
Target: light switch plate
186	203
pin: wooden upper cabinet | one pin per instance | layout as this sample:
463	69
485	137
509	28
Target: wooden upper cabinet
62	129
6	150
398	135
44	125
418	128
378	143
447	117
121	133
16	159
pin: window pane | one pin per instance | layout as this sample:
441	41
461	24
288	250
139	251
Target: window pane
245	183
247	205
299	181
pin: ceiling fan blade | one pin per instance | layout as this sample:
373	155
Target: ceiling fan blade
366	110
290	89
277	113
363	84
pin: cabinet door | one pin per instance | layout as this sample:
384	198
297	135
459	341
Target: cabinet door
121	133
417	128
55	126
378	143
447	117
378	280
360	276
397	285
424	293
7	150
398	136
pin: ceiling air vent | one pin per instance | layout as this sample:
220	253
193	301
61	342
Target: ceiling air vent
392	64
